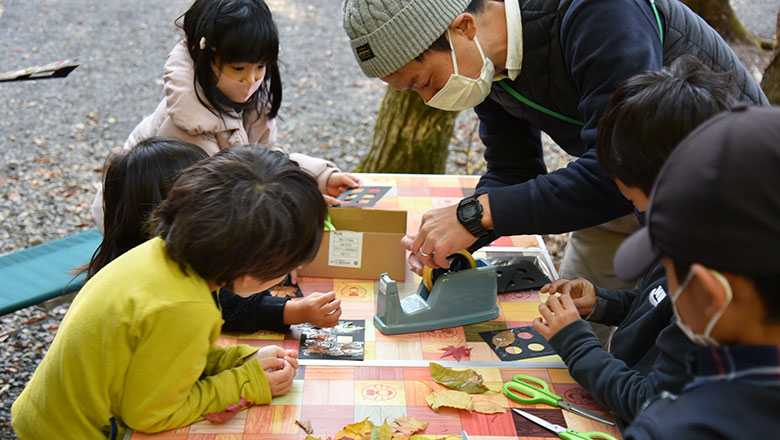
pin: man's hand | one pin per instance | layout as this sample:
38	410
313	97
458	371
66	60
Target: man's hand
581	291
320	309
558	312
440	236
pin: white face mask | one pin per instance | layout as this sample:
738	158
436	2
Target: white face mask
461	92
701	338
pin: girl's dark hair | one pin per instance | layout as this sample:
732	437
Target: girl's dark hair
244	211
235	31
135	182
650	113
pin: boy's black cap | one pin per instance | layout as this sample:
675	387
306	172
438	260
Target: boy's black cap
716	201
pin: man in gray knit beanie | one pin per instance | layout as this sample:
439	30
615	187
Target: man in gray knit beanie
527	66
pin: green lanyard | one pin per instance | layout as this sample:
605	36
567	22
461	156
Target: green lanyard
508	87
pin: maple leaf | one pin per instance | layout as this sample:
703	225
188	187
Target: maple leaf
230	411
467	380
405	427
456	352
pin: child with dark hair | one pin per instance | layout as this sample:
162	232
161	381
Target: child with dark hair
644	120
714	224
137	346
223	87
136	181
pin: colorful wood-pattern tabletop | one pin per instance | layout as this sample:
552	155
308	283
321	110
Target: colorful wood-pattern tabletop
394	377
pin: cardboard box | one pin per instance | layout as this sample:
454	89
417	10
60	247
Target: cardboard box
365	244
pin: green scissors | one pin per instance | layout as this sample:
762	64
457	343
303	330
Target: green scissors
523	384
565	433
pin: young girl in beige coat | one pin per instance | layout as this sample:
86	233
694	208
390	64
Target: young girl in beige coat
223	87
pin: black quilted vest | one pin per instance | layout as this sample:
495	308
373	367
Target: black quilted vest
545	78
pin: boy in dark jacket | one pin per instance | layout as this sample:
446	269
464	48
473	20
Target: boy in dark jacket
644	120
714	223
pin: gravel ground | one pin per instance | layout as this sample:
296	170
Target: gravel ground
56	133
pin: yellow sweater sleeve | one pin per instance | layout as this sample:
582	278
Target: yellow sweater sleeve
225	358
177	374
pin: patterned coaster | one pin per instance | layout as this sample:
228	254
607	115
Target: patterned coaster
364	196
517	343
345	341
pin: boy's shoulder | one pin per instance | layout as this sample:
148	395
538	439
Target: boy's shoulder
145	271
716	410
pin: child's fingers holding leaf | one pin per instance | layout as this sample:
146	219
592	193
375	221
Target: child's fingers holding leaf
584	296
561	285
558	312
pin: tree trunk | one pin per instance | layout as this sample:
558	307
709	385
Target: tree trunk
410	137
720	15
771	80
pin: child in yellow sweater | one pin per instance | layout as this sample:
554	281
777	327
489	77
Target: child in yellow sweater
137	346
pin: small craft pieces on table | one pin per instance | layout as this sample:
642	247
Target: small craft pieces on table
345	341
516	273
286	288
364	196
518	343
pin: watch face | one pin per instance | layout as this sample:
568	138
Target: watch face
468	211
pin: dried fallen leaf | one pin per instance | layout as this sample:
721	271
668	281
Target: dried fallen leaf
450	398
504	338
384	432
405	427
356	431
456	352
488	407
306	426
468	380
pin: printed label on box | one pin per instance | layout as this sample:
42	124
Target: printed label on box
346	249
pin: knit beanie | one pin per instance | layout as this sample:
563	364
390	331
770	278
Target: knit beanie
387	34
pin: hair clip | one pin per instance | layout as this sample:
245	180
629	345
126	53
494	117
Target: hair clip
202	43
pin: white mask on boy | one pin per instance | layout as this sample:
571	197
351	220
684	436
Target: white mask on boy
702	338
235	91
461	92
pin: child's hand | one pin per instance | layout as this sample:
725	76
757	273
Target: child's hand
280	374
320	309
274	352
558	312
340	182
581	291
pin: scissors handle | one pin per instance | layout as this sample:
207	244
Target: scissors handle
522	383
592	435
